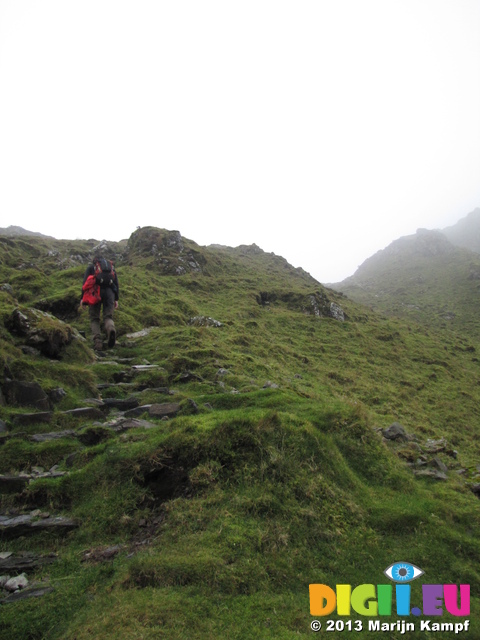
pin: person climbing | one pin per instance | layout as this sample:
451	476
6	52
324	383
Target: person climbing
100	287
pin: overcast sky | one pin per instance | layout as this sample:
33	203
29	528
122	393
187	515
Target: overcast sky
321	130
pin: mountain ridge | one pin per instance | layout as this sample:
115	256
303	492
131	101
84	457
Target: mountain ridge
424	276
14	230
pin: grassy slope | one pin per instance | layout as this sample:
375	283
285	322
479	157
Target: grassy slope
422	278
261	492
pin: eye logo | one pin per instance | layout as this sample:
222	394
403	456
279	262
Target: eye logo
402	572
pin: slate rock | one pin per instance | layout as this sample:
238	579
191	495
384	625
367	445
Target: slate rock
15	526
13	484
187	376
337	312
395	432
166	409
41	330
270	385
25	561
30	394
30	351
122	376
139	368
139	334
131	423
137	411
441	466
205	321
122	404
34	591
165	391
54	435
431	473
94	435
89	413
18	323
25	419
57	395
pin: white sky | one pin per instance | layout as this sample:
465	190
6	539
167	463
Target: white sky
321	130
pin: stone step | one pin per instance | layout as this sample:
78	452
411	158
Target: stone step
25	419
16	483
24	561
90	413
113	385
15	526
166	409
33	591
122	405
125	424
53	435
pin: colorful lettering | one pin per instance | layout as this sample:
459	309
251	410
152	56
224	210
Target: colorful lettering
402	593
371	600
322	600
432	599
450	595
363	600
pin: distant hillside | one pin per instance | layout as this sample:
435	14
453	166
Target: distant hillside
19	231
427	277
466	232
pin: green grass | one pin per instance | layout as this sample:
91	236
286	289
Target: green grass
274	475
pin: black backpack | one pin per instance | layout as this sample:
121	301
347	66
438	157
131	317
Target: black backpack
104	273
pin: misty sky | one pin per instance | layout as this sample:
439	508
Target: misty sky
321	130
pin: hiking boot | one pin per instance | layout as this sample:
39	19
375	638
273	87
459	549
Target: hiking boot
111	338
100	354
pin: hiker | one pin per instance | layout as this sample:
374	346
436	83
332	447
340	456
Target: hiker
100	287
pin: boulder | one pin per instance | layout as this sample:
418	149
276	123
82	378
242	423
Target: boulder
29	394
395	432
40	330
337	312
317	304
57	395
14	584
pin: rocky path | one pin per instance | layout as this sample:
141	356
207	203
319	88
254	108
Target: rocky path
104	417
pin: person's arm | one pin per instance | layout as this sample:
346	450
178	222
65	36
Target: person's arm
117	289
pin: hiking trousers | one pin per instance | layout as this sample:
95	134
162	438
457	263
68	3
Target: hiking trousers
108	303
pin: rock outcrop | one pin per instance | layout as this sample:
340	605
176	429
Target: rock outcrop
40	330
